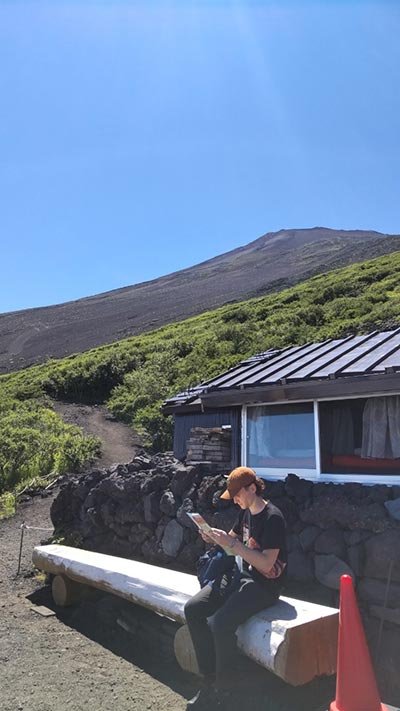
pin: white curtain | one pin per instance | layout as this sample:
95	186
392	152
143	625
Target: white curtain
381	428
259	432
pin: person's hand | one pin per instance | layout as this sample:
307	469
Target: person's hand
222	538
206	539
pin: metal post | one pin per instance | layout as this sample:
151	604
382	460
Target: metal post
20	546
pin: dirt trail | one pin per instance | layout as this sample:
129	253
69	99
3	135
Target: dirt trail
119	441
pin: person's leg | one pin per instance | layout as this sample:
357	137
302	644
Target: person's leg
247	601
197	610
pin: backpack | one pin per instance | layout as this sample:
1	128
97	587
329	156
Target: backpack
220	570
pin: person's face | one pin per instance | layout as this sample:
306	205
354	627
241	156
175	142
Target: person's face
245	497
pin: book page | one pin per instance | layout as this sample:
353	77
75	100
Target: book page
202	524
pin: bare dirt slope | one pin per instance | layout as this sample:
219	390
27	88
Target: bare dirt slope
270	263
119	442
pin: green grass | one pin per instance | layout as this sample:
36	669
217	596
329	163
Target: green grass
7	505
135	375
36	443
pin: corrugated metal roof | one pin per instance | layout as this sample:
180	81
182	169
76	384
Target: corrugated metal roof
377	352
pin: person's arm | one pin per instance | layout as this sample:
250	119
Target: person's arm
262	560
206	539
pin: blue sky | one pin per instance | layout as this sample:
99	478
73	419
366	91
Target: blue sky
138	138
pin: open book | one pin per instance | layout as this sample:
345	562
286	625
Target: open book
206	528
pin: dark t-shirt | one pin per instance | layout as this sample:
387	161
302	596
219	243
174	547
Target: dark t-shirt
263	531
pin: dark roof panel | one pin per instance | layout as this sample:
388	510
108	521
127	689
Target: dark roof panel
305	362
377	359
323	360
258	368
348	351
375	352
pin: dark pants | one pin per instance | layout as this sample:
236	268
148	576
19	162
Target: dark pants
214	639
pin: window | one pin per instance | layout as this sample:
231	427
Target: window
360	435
338	440
281	437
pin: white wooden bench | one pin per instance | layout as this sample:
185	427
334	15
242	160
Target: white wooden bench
296	640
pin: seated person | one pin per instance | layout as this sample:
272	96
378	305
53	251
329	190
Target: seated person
258	537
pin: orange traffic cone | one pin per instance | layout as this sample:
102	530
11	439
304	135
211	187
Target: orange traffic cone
356	688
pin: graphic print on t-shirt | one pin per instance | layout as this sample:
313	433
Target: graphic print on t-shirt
263	531
246	532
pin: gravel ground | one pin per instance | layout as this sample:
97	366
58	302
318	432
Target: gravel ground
70	661
79	659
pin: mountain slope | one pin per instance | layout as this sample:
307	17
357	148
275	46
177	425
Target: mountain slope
270	263
133	377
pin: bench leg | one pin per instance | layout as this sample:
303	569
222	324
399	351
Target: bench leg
184	651
66	591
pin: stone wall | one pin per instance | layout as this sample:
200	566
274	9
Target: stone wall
138	510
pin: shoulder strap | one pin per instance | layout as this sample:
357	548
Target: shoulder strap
246	518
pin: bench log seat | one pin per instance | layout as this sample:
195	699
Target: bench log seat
294	639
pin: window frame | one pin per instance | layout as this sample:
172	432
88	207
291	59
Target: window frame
315	475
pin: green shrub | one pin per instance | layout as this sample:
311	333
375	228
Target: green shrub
156	429
134	376
34	441
238	314
7	505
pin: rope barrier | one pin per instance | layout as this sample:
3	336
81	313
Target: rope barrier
35	528
24	528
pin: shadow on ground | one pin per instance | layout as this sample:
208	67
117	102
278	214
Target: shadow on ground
96	618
